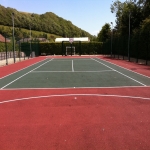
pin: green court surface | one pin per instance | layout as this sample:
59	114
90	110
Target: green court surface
73	73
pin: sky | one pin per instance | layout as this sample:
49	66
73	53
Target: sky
89	15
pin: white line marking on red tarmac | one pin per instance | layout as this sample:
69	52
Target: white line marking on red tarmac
67	95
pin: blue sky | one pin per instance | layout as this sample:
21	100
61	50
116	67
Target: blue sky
89	15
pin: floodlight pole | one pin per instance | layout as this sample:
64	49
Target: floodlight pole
13	38
30	41
129	34
129	38
111	37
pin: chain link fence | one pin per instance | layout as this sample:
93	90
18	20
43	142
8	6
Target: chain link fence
137	49
21	50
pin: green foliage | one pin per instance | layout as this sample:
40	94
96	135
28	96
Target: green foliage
145	26
139	11
9	47
137	15
2	47
46	23
25	33
105	33
56	48
123	11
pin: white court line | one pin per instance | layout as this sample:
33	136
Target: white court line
68	59
67	95
119	72
22	69
72	67
123	68
70	71
26	74
116	87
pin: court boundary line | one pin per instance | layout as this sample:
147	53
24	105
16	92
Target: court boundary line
123	67
22	69
119	72
117	87
67	95
26	74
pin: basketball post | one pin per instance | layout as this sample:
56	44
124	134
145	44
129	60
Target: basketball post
71	40
62	45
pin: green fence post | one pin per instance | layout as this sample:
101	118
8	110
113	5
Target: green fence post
6	51
19	50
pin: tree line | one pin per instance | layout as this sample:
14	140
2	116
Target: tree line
137	12
48	23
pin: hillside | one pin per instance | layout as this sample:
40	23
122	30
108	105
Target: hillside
47	23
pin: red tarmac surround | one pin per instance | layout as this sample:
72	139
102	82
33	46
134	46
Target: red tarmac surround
124	91
77	118
6	70
139	68
75	121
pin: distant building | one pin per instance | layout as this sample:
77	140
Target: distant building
34	39
2	39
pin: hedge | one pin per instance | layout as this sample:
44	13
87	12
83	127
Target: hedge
56	48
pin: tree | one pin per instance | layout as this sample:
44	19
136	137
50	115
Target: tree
48	22
145	5
105	33
145	26
123	11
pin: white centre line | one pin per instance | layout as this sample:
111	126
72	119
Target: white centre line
72	67
25	74
118	72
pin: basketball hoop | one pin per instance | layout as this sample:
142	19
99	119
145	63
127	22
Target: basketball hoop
71	40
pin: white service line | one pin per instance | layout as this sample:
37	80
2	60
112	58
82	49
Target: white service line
72	67
119	72
26	74
70	71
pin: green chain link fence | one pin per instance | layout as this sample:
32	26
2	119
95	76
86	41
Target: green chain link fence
138	49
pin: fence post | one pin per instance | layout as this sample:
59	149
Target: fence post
6	50
19	51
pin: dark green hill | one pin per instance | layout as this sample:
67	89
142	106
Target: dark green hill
48	23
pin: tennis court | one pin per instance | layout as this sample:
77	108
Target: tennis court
74	103
73	73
